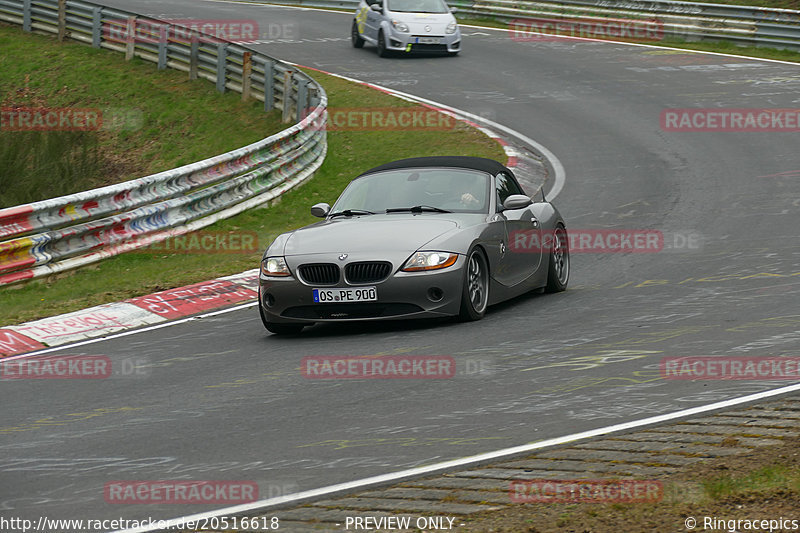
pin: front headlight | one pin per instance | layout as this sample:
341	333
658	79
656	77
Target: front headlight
451	28
429	261
275	267
402	27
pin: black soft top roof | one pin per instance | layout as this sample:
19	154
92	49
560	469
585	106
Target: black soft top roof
475	163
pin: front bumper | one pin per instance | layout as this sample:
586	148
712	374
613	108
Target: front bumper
409	42
402	295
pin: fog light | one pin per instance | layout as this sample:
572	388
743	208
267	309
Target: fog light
396	44
269	300
435	294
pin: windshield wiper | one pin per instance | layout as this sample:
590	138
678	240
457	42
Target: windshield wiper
351	212
418	209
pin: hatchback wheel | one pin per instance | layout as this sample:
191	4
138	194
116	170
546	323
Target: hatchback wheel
355	37
382	51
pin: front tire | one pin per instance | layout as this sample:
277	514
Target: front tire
558	271
382	51
475	292
355	37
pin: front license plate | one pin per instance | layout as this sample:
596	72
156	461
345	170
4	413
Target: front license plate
428	40
361	294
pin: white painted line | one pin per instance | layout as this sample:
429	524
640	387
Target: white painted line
466	461
132	332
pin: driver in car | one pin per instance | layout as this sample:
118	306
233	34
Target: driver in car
469	201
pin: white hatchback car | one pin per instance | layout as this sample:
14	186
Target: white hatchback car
406	26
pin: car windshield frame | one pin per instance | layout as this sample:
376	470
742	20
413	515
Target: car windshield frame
437	7
389	190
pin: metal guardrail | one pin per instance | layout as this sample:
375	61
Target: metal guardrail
689	21
53	235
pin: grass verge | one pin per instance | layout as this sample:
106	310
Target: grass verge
143	272
760	485
150	120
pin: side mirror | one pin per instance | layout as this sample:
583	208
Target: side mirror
376	7
454	10
517	201
320	210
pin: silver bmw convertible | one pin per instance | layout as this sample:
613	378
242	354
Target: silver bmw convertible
415	238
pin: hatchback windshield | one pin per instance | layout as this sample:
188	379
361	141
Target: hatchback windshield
448	189
417	6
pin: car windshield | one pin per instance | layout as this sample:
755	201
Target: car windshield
417	6
435	189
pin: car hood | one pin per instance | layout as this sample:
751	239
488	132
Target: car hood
417	22
373	234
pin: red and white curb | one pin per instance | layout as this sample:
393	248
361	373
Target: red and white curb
108	319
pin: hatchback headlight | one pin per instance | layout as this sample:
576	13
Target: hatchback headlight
402	27
429	261
275	267
451	28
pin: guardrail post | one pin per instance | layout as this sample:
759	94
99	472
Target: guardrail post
222	64
194	51
62	19
287	96
302	99
247	69
269	86
130	42
313	96
162	46
97	26
26	15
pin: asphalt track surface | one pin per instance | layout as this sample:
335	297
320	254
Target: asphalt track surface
218	398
